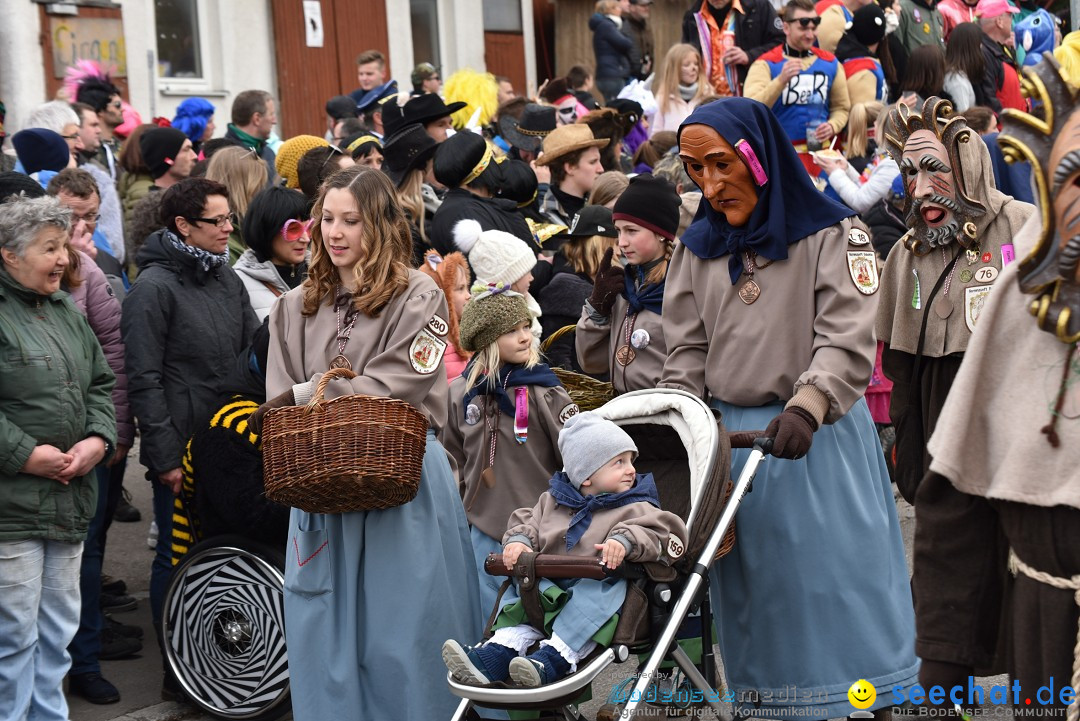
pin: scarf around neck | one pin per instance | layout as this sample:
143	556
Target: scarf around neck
789	206
687	92
205	259
509	376
640	296
564	493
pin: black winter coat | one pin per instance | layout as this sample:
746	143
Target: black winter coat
611	47
994	57
183	329
490	213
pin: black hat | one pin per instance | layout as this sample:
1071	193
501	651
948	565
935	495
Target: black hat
422	109
868	24
464	157
159	148
408	148
529	131
12	183
341	107
652	203
42	149
593	220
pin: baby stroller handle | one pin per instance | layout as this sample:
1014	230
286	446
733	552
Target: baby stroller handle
551	565
699	576
749	439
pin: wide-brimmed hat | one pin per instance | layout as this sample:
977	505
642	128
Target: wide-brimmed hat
568	139
529	131
421	109
408	148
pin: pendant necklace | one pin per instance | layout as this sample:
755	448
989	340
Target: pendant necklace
626	353
751	291
340	361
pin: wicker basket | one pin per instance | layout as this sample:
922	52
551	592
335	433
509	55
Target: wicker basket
353	453
586	391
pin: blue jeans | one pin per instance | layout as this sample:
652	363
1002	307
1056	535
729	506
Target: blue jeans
39	613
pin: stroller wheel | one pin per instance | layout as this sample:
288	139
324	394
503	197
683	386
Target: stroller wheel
224	631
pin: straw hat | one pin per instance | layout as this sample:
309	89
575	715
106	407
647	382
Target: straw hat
568	139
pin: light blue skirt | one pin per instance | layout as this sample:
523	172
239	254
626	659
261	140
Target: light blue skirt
371	596
815	594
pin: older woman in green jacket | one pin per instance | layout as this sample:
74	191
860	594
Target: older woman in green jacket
56	423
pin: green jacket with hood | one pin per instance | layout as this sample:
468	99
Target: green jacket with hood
55	389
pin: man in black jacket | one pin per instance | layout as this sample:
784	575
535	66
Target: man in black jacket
757	30
1000	81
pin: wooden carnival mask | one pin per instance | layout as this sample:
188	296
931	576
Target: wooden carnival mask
725	179
937	206
1049	138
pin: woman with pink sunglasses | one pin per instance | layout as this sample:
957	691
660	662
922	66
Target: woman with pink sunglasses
277	230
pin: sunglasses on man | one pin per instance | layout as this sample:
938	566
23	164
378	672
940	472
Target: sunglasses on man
807	22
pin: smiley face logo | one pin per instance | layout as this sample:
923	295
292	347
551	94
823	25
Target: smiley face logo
861	694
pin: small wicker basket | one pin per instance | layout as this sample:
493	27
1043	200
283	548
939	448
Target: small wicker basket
353	453
586	391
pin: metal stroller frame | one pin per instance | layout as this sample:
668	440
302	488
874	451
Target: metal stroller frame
696	434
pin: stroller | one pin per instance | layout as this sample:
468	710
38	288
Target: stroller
679	439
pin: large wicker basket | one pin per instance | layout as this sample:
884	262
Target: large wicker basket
353	453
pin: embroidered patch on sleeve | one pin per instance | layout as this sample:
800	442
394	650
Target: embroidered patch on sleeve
571	409
675	547
862	267
426	352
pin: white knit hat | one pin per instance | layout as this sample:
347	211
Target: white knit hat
495	255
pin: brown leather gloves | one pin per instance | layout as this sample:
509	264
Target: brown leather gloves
792	432
255	420
610	282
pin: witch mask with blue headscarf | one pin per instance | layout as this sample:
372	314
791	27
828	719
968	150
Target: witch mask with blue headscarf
759	196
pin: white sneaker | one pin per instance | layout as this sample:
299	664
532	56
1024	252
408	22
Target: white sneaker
151	540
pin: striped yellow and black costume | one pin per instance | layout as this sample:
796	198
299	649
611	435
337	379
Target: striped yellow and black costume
222	491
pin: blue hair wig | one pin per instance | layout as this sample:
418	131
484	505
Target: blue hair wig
192	115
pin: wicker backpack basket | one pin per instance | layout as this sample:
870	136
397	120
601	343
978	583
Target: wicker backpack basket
353	453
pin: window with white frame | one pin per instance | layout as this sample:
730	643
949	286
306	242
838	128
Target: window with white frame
179	53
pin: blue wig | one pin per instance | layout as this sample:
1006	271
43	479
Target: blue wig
192	115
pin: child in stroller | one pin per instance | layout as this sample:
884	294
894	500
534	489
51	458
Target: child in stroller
598	504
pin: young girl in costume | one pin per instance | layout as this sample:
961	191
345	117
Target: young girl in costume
361	306
597	506
506	411
621	331
499	258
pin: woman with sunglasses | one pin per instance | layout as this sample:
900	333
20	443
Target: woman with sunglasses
277	230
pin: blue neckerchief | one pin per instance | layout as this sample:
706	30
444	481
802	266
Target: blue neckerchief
509	376
645	297
564	493
789	206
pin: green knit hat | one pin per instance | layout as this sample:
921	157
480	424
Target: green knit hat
492	311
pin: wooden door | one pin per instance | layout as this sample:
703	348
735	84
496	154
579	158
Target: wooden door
308	77
504	54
